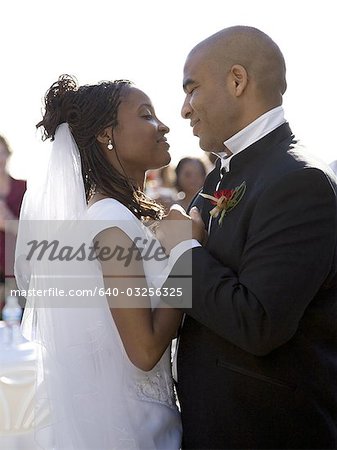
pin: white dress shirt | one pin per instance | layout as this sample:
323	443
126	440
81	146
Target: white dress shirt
253	132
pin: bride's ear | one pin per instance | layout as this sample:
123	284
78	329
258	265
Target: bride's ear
105	136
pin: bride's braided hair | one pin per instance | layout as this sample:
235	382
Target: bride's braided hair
88	110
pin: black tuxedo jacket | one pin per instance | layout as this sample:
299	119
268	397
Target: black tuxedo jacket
257	357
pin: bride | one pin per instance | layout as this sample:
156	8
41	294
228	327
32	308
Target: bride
105	366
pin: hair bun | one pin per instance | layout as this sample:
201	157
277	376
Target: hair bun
59	105
59	89
65	83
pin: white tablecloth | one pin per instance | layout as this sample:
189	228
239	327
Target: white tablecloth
17	393
23	352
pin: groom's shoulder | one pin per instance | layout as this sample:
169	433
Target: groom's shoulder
293	160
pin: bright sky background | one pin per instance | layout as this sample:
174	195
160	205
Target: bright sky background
147	42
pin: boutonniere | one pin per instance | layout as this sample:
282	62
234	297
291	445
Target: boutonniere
225	200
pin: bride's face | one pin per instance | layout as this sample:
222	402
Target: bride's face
139	137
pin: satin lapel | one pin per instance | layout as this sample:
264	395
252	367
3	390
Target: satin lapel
197	201
210	186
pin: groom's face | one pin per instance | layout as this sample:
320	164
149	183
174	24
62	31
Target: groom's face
209	104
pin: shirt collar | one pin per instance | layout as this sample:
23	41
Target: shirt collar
253	132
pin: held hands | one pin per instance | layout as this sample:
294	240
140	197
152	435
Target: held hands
170	232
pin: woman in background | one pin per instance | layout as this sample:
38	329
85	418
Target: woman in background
11	194
191	173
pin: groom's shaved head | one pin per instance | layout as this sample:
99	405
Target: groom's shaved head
230	79
251	48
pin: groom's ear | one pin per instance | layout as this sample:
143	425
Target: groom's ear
105	135
239	79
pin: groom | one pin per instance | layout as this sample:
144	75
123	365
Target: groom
257	356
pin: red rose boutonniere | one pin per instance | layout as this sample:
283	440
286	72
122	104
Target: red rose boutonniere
225	200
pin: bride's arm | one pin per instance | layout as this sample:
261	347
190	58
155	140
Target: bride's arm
145	333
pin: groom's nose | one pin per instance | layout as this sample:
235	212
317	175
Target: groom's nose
186	109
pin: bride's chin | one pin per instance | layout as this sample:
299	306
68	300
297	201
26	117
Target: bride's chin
167	159
164	162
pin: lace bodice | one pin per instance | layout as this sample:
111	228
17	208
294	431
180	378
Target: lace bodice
154	386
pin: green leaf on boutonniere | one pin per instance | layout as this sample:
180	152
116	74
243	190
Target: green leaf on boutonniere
225	200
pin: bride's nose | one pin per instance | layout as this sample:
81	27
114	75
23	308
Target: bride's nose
163	128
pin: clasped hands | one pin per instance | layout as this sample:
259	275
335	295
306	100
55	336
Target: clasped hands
177	226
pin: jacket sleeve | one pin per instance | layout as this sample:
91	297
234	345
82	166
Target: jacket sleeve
288	254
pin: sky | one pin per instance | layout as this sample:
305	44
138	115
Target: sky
147	42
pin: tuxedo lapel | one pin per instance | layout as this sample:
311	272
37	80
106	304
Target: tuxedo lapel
210	185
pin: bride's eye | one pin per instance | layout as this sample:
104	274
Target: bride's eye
147	114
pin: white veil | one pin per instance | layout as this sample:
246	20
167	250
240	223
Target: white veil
80	376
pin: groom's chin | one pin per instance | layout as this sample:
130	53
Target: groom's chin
204	145
208	147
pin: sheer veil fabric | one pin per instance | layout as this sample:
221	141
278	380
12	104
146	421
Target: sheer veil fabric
79	376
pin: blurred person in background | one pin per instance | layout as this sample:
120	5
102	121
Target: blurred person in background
191	174
11	194
160	185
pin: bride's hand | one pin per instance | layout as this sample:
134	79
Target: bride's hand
178	226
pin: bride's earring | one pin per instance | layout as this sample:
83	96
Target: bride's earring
110	146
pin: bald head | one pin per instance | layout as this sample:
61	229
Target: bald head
230	79
251	48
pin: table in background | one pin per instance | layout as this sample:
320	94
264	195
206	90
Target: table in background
18	412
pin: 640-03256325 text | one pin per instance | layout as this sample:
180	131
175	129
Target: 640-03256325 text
114	292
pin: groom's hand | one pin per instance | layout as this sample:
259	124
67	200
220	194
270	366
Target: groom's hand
170	233
198	226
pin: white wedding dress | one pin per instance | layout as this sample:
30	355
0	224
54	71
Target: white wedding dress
152	416
96	398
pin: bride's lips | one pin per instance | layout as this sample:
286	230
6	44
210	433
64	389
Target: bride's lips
163	140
